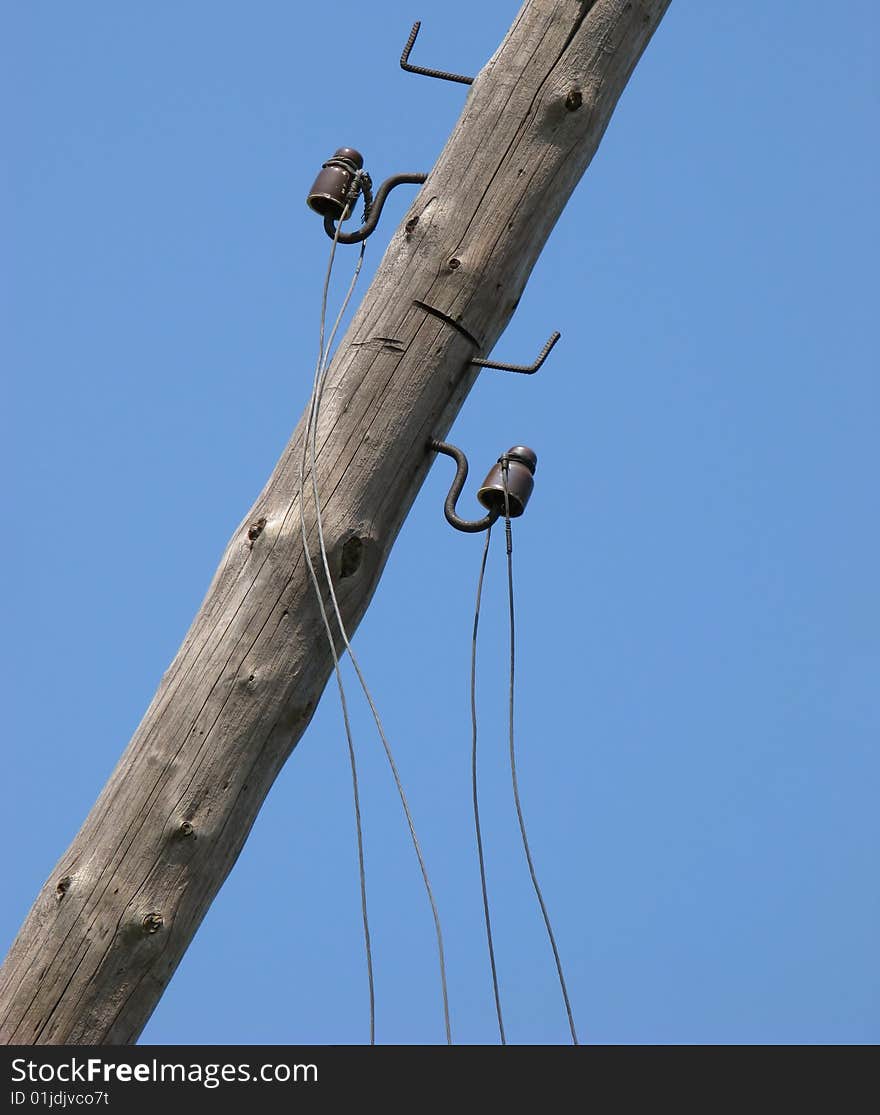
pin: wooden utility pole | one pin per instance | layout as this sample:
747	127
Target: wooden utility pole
111	924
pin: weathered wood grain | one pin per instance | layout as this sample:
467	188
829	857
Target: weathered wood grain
116	915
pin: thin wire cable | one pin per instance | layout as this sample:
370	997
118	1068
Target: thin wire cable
318	394
385	744
345	716
474	785
508	534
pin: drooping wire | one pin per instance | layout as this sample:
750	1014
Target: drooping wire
310	420
317	394
480	856
508	534
385	744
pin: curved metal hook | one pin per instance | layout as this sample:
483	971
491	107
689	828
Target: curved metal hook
442	74
523	369
375	209
469	526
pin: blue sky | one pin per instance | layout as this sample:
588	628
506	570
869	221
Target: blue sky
699	646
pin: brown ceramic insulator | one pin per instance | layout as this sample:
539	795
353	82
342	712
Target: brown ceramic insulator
328	196
522	462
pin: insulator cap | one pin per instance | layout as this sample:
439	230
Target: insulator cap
525	456
351	155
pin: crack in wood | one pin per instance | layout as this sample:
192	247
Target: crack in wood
588	4
393	344
457	326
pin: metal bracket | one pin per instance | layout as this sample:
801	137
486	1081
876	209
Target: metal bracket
374	209
523	369
469	526
442	74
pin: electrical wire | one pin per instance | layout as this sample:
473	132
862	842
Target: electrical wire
314	579
508	534
311	429
385	744
480	856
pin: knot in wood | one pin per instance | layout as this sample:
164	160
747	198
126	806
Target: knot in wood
256	529
152	923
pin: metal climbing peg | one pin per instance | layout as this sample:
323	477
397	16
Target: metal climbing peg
444	75
523	369
481	362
